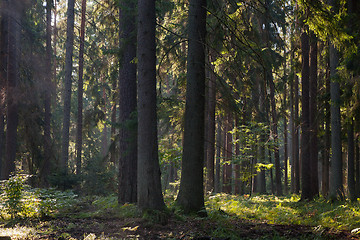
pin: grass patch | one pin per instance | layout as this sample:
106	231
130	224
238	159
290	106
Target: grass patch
286	210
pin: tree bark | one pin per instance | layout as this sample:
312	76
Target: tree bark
149	194
12	83
351	163
127	103
218	156
313	117
191	193
306	193
336	175
296	137
69	45
78	145
3	81
325	163
211	131
45	169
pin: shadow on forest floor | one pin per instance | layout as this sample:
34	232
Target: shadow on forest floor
138	228
229	217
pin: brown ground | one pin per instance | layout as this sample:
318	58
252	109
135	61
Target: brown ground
192	228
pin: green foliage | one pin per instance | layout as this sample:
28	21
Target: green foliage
13	194
22	201
286	210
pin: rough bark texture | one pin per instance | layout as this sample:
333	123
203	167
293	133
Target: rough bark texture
149	194
191	193
127	103
227	183
79	122
305	121
313	117
336	175
69	45
12	82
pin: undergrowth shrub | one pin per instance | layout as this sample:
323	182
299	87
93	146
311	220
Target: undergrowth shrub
12	196
20	200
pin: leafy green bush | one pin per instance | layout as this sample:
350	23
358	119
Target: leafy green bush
20	200
13	191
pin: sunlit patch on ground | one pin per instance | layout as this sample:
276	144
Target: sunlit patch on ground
18	233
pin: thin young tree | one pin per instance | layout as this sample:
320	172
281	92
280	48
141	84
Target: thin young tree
191	192
149	195
69	46
127	103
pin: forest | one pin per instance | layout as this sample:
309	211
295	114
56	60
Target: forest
179	119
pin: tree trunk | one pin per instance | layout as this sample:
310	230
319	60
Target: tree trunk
278	183
3	76
127	103
218	156
69	45
12	82
306	193
113	143
191	193
227	183
325	163
78	145
211	131
296	137
313	117
45	169
285	145
149	194
351	164
336	175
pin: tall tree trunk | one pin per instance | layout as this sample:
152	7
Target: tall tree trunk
336	175
191	193
278	183
113	143
127	103
149	194
227	183
3	80
357	168
313	117
69	45
78	144
351	164
218	156
211	131
12	82
296	137
238	182
325	163
45	169
285	144
305	122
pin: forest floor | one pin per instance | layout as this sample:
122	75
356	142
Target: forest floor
229	217
138	228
